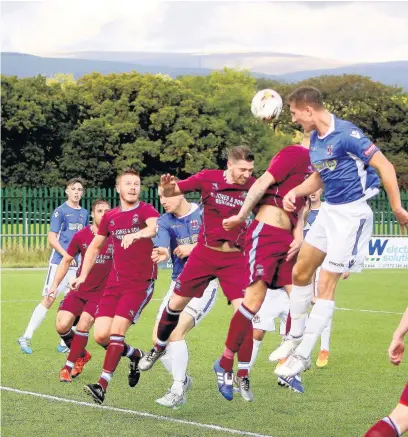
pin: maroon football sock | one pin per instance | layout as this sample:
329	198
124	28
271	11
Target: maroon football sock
77	349
167	325
383	428
112	358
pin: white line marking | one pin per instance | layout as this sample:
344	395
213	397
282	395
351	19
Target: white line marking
368	311
136	413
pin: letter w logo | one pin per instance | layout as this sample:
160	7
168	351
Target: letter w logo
378	246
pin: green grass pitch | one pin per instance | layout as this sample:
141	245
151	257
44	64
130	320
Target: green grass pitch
358	387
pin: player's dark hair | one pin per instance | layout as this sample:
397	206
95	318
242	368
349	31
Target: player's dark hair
99	202
74	181
240	152
127	171
306	96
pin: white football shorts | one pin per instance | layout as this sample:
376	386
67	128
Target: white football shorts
197	308
276	304
342	232
63	287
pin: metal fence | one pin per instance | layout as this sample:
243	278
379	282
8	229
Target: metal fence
26	212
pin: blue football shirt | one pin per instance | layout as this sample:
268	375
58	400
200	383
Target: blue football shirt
65	221
342	159
174	231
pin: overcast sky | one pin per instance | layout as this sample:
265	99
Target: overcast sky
345	31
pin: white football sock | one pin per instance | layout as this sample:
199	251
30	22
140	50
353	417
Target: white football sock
37	317
300	300
62	343
179	365
320	315
166	359
255	350
325	337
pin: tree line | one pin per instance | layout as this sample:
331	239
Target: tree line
58	128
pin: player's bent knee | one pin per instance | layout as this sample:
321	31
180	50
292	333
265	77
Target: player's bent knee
178	303
102	338
301	274
63	326
255	295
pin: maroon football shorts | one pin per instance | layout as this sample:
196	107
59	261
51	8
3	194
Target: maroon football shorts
266	249
126	301
76	304
204	265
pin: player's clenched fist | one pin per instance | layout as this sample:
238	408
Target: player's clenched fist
76	282
131	238
160	254
231	222
167	182
396	350
289	201
402	216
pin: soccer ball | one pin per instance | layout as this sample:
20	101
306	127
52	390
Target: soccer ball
267	105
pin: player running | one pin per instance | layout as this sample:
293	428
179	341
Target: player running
218	254
345	161
130	284
176	237
67	219
396	423
272	242
83	302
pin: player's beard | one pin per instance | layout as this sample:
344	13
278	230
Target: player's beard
241	180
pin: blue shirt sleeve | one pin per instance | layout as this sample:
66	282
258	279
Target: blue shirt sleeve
57	220
86	218
162	238
359	145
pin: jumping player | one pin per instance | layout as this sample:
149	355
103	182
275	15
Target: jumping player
81	303
218	254
271	245
131	227
345	161
176	237
67	219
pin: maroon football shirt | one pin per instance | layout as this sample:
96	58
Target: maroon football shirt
96	280
221	200
133	264
290	167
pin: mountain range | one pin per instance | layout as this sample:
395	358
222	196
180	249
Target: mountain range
280	66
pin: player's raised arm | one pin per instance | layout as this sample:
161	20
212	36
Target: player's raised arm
254	195
297	235
89	260
184	250
147	232
309	186
169	186
389	179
